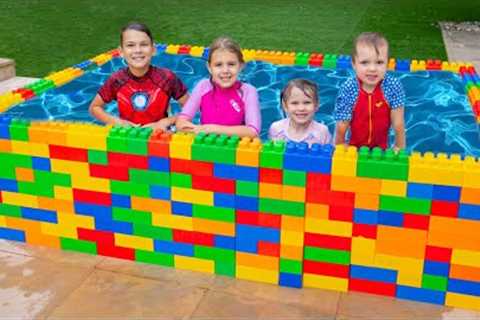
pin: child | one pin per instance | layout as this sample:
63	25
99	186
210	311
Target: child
299	99
141	90
227	105
373	101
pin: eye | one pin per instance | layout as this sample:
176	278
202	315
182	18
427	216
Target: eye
232	64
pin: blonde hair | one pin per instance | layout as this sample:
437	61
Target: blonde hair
373	39
228	44
308	88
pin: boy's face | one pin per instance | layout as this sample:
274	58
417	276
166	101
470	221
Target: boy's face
369	65
137	49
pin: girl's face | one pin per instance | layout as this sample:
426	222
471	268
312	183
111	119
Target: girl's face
224	67
137	49
299	107
369	66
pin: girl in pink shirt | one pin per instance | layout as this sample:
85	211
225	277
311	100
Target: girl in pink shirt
226	105
299	99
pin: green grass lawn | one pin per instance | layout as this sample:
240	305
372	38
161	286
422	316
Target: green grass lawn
45	36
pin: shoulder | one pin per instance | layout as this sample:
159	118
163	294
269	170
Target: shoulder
203	86
391	81
278	125
120	76
248	87
393	91
350	85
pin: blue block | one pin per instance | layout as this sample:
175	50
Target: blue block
224	242
246	245
295	156
365	216
93	210
161	47
344	62
39	215
290	280
402	65
226	171
4	127
257	233
436	268
8	185
182	208
205	54
320	158
421	294
183	249
419	190
12	234
159	164
246	203
373	274
121	201
469	211
39	163
224	200
446	193
463	286
389	218
159	192
246	173
114	226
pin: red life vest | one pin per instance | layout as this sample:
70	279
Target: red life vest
370	119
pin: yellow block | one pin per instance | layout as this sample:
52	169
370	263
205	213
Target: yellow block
435	169
291	252
257	261
3	222
172	221
316	211
325	282
67	225
56	204
63	193
410	270
74	168
344	162
292	193
30	148
134	242
293	223
466	258
363	251
89	183
192	196
329	227
472	178
58	230
256	274
394	188
153	205
195	264
270	190
19	199
87	136
248	152
214	227
292	238
180	146
462	301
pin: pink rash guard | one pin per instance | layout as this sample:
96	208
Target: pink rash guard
234	106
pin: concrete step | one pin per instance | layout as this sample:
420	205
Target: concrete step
7	69
15	83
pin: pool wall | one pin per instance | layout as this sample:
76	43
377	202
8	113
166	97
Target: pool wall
363	220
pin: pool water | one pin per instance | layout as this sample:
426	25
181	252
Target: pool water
438	116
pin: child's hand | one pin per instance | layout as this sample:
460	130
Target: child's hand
125	123
159	125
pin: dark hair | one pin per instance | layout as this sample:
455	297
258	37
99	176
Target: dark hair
137	26
308	88
227	44
373	39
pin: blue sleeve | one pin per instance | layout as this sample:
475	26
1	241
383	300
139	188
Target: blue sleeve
346	98
393	91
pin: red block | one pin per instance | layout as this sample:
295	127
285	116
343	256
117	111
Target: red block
193	237
266	248
271	175
213	184
328	242
25	93
364	230
340	213
104	237
476	108
317	196
1	197
326	269
316	59
109	172
68	153
332	198
318	181
433	65
438	254
115	252
184	49
128	160
269	220
193	167
416	221
444	208
159	144
95	197
246	217
375	287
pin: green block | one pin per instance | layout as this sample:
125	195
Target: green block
224	259
289	208
271	154
19	129
291	266
150	177
129	188
180	180
47	178
215	148
137	140
36	189
159	258
382	165
15	160
434	282
330	61
246	188
403	205
154	232
117	139
327	255
7	171
294	178
133	216
78	245
213	213
10	210
97	157
301	58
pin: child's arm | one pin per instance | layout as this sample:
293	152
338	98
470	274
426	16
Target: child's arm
398	124
97	110
165	123
341	128
242	131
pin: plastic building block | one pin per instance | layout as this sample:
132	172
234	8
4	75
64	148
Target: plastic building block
433	65
330	61
344	62
196	51
302	58
316	59
271	154
184	49
402	65
172	49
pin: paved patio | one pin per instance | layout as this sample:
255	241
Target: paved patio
44	283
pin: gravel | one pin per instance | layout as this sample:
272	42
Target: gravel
466	26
